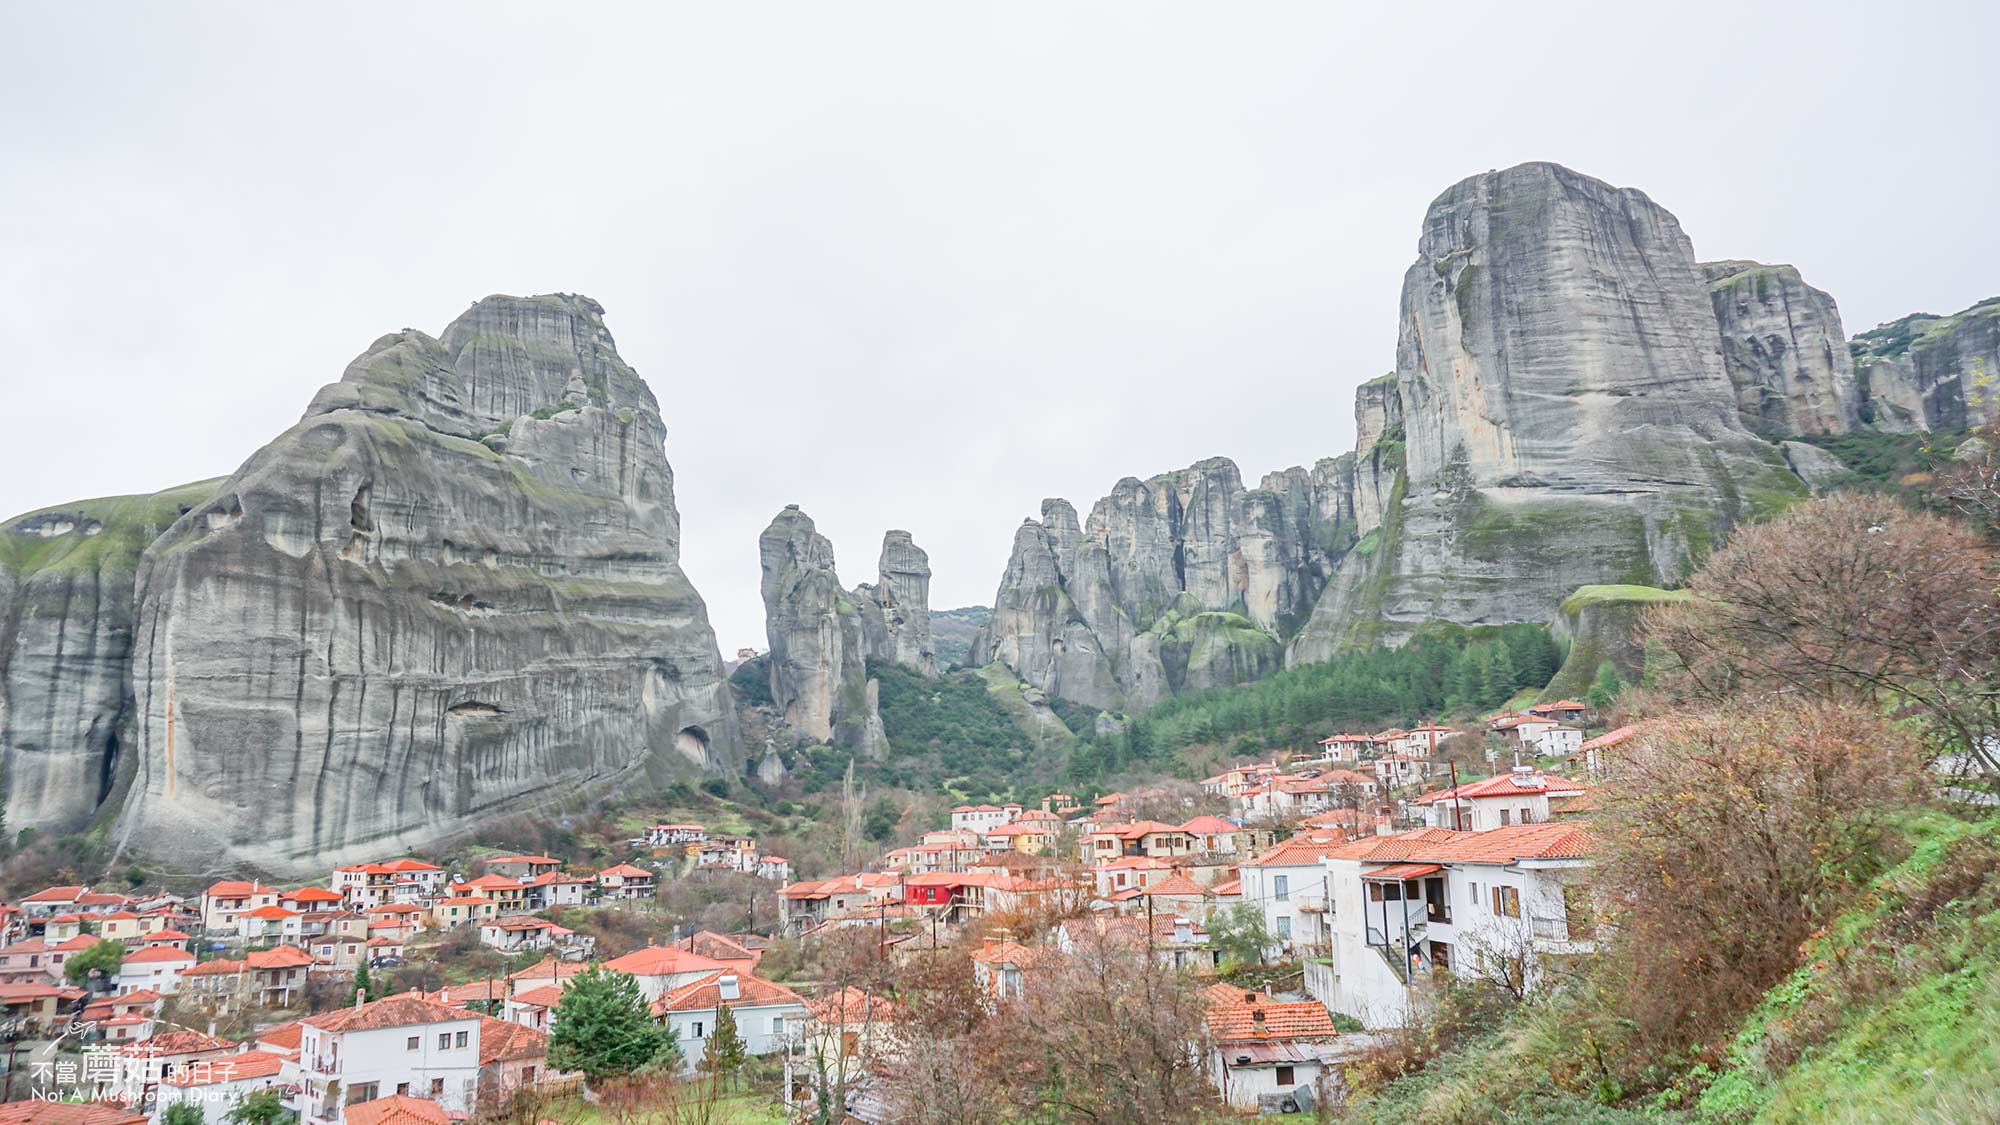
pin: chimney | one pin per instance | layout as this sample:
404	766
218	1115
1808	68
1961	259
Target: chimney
727	986
1257	1022
360	997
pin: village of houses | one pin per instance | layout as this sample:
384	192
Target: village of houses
1371	865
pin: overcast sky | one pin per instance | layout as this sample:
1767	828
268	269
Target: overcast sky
904	265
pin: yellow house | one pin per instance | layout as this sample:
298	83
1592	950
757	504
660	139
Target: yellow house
120	926
1026	837
459	910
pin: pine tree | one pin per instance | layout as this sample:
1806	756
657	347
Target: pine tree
602	1027
1497	683
184	1113
726	1053
1605	687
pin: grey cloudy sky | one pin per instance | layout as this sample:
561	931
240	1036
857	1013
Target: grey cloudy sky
905	265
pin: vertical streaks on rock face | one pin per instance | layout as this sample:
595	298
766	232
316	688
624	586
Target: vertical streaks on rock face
66	617
822	636
1566	416
1784	350
451	591
896	609
814	629
1561	414
1182	581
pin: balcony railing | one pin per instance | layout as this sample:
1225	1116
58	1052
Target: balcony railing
1414	914
1551	929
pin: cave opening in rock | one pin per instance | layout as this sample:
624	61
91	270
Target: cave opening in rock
692	742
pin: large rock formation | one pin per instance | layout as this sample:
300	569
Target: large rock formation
1186	580
1572	404
1927	372
1784	350
814	630
822	636
1567	416
896	608
451	591
66	617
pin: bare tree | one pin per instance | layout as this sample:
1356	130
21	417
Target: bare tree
1853	598
1728	836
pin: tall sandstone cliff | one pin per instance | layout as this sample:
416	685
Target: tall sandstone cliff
1183	581
1784	350
821	636
66	611
1576	400
451	591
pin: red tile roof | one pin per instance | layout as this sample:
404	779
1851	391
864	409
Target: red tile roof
1177	884
181	1041
37	1112
1507	785
229	888
1555	840
397	1109
1208	826
700	995
506	1041
284	1036
660	961
547	996
228	1068
55	894
390	1011
627	871
161	953
278	957
1237	1022
1612	737
1300	851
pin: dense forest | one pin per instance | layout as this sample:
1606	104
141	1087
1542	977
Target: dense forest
1444	671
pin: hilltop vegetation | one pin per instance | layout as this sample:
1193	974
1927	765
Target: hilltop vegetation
1443	671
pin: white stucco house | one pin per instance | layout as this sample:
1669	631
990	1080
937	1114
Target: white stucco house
768	1016
1475	904
1523	795
1288	883
401	1044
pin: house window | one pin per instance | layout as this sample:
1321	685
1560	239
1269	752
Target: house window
1284	925
527	1076
777	1025
444	1040
1475	894
411	1045
459	1040
1507	901
1285	1077
362	1092
1281	886
697	1029
1506	817
437	1087
403	1088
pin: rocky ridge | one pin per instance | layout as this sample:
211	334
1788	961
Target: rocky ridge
821	636
1576	401
1931	373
